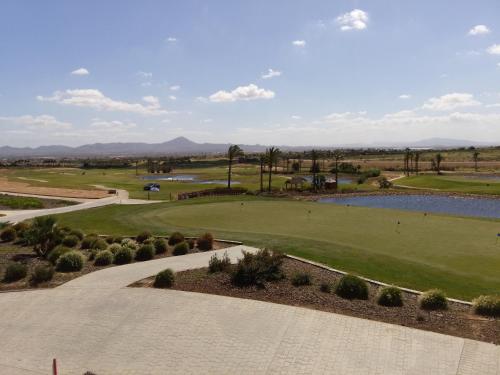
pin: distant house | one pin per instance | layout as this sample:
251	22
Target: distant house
330	183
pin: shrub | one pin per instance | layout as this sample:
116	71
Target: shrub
160	246
390	296
88	241
42	273
143	236
191	243
124	255
145	252
433	299
110	240
56	252
255	269
487	305
181	248
130	243
164	279
175	238
384	183
103	258
8	234
114	248
351	287
14	272
117	239
78	233
325	287
70	241
205	242
20	228
70	262
301	278
99	244
219	265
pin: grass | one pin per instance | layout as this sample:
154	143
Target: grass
458	255
19	203
452	184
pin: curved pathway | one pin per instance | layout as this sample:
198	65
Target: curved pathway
95	323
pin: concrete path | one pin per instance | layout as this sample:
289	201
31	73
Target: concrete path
96	323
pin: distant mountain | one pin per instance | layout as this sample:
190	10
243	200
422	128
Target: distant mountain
184	146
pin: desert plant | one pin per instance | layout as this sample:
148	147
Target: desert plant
384	183
216	264
70	262
21	228
164	279
145	252
487	306
56	252
205	242
325	287
191	243
103	258
390	296
160	246
143	236
43	235
110	240
255	269
114	248
351	287
301	278
433	299
99	244
70	241
15	272
117	239
175	238
124	255
42	273
130	243
78	233
181	248
8	234
88	241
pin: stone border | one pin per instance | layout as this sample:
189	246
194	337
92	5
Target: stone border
231	242
379	283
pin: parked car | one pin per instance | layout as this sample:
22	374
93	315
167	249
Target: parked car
152	187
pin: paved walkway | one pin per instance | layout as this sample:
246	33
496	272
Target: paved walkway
95	323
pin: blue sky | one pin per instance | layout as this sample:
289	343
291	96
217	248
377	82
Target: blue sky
269	72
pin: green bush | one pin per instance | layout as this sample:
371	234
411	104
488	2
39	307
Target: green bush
205	242
351	287
42	273
325	287
164	279
56	252
216	264
145	252
78	233
143	236
124	255
130	243
191	243
160	246
70	241
14	272
103	258
390	296
181	248
117	239
88	241
99	244
175	238
70	262
21	228
114	247
255	269
8	234
433	299
109	240
301	278
487	306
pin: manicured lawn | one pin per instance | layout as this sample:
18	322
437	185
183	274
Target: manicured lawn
452	184
459	255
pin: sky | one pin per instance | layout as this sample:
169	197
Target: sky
283	72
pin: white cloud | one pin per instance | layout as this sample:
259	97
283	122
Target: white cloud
172	97
479	30
92	98
271	73
450	102
145	75
494	49
404	96
175	88
208	121
299	43
356	19
45	122
171	39
250	92
295	117
103	125
80	72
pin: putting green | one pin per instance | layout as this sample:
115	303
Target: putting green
459	255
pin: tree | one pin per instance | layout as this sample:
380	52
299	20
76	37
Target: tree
232	152
437	162
417	159
272	157
262	160
407	155
43	235
315	169
337	156
475	157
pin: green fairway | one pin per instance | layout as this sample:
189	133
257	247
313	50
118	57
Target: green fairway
450	183
459	255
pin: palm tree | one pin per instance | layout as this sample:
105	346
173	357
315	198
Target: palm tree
437	162
417	159
315	168
262	160
337	156
272	157
475	157
232	152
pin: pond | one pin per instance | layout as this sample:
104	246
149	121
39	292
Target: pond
187	178
342	180
462	206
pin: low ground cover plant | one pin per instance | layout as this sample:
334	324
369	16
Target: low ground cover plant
124	255
164	279
352	287
181	248
42	273
56	252
175	238
255	269
325	287
70	241
433	299
104	258
14	272
160	246
9	234
487	306
390	296
70	262
301	278
143	236
114	247
88	241
216	264
205	242
145	252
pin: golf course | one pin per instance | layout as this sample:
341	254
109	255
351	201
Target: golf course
460	255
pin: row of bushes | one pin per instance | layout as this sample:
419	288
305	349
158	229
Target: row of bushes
17	271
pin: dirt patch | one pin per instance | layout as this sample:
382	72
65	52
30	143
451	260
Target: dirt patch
457	320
